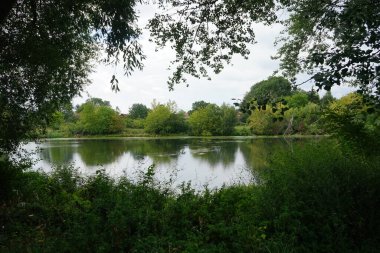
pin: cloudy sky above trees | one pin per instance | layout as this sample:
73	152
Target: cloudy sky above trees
151	83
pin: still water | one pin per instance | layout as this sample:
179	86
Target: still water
202	161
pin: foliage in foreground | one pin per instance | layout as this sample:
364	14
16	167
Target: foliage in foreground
317	199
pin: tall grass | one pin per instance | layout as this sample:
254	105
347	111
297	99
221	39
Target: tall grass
319	198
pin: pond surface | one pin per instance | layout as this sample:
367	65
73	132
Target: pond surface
203	161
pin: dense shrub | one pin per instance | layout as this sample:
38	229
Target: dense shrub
322	198
319	198
355	121
98	119
213	120
165	120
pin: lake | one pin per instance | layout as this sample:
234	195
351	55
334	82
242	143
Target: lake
203	161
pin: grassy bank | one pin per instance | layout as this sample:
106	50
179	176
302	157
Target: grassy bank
320	198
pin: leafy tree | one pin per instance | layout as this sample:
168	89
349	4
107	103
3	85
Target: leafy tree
229	119
298	99
68	112
46	46
98	119
327	99
267	91
220	29
213	120
313	96
304	119
163	120
354	120
338	41
264	122
138	111
205	121
45	52
198	105
98	102
56	120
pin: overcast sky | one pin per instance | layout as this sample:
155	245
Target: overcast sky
151	83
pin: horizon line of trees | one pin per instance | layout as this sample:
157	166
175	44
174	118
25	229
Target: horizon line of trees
270	107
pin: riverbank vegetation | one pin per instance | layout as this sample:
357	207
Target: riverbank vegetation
294	111
319	198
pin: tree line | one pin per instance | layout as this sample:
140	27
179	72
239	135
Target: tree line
271	107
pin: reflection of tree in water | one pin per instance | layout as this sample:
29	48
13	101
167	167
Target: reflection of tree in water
159	150
258	152
101	152
59	154
214	152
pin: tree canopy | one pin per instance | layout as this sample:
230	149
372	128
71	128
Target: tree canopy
46	52
47	47
198	105
98	118
213	120
138	111
164	119
269	90
335	41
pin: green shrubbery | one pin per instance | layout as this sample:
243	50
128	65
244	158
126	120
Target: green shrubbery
164	119
319	198
213	120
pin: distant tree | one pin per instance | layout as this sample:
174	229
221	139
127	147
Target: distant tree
68	112
138	111
198	105
213	120
351	118
304	119
327	99
98	119
265	122
56	120
93	101
260	121
98	102
313	96
266	92
298	99
163	120
229	119
205	121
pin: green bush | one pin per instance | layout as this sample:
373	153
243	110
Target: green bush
213	120
242	130
98	119
319	198
322	198
165	120
355	122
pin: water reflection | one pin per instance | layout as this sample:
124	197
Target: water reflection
257	152
100	152
58	154
215	152
158	150
195	158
